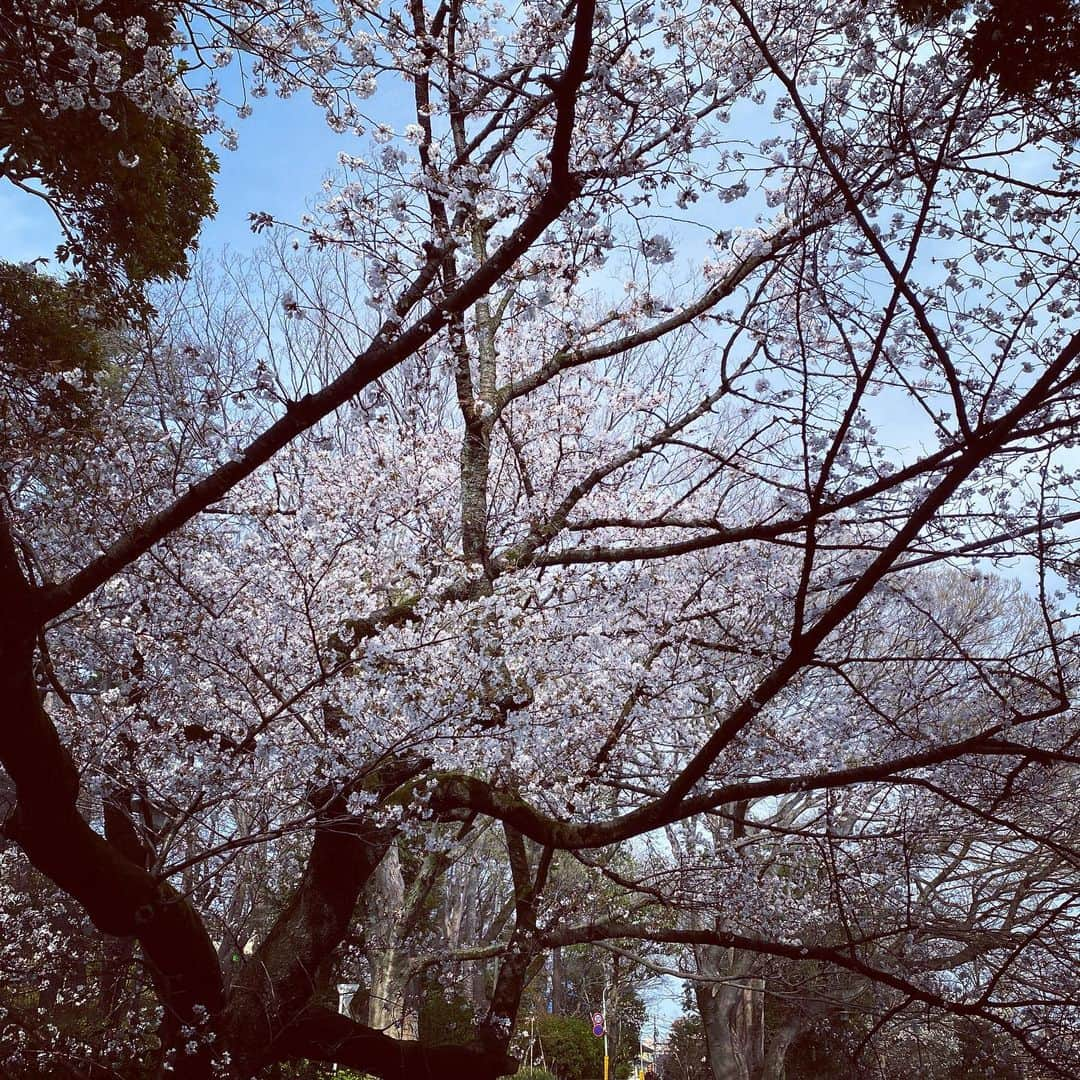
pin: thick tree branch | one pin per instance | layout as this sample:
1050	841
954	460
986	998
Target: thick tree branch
279	981
323	1035
117	892
462	792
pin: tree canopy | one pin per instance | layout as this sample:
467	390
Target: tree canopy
629	519
94	122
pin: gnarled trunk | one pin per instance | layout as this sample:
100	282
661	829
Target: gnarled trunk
388	1008
776	1052
732	1015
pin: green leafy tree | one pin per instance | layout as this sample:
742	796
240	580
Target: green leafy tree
687	1056
446	1018
584	972
818	1053
570	1048
93	123
52	345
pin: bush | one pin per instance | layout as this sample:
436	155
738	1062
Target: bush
445	1017
571	1048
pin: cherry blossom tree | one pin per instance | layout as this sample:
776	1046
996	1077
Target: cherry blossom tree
640	439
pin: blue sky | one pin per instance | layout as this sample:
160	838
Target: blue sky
285	151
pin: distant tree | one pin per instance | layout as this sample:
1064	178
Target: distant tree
445	1017
95	123
686	1056
54	344
571	1050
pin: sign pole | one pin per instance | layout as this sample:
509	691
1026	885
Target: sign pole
606	1059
